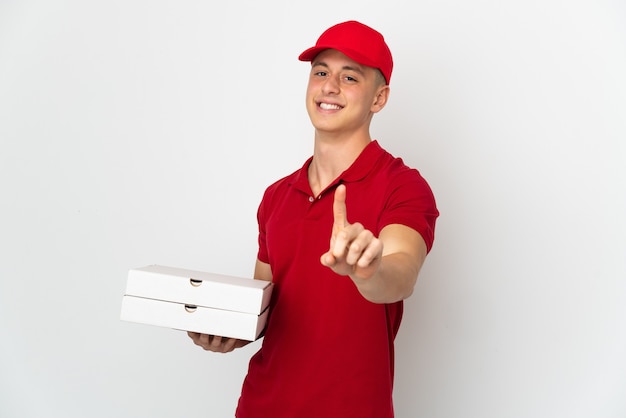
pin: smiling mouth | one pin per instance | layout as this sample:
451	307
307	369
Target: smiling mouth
329	106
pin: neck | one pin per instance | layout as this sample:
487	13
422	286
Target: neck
331	157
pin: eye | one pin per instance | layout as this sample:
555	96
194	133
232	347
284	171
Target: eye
319	71
350	79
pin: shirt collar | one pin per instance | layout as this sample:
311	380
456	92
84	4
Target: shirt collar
358	170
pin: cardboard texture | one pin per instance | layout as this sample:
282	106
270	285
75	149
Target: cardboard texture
197	301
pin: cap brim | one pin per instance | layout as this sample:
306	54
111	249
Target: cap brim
311	53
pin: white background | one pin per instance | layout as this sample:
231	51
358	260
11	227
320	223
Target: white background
145	132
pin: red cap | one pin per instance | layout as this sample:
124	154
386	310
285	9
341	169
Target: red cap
357	41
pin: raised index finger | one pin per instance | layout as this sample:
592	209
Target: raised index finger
340	215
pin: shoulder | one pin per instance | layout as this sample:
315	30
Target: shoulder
397	174
281	184
409	199
280	187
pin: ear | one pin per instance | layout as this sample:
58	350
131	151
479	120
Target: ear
380	99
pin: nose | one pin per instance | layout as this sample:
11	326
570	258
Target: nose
331	85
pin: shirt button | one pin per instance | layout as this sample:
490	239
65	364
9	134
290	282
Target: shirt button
311	199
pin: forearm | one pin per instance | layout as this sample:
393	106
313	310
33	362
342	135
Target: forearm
393	281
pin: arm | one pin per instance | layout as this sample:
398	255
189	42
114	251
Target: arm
384	269
262	271
219	344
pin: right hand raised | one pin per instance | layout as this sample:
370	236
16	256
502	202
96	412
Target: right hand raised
216	343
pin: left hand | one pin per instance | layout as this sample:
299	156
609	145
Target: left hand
354	251
216	343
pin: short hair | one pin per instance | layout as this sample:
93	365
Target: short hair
380	78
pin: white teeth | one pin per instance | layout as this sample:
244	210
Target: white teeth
328	106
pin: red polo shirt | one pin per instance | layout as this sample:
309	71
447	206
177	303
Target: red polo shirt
327	351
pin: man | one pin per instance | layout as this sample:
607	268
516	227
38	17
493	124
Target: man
343	239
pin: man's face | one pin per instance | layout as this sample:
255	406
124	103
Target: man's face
342	94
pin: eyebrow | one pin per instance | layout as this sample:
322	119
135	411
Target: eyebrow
345	67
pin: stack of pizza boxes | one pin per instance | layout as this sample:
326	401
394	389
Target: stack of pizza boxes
197	301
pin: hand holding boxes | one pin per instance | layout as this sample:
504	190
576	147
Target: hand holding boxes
197	301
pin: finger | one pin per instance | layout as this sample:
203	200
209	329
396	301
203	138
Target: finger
338	238
203	341
195	337
328	259
216	343
358	245
371	253
340	215
346	239
229	345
